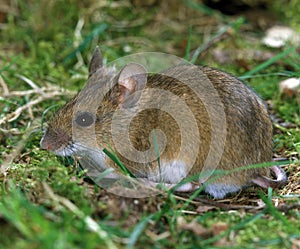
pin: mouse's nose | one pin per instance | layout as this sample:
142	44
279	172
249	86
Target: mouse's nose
44	143
54	139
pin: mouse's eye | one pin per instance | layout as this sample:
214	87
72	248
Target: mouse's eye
84	119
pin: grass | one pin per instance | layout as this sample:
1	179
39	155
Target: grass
46	202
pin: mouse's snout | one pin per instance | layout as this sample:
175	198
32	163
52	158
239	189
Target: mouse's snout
45	143
54	140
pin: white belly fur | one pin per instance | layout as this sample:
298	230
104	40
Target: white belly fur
170	174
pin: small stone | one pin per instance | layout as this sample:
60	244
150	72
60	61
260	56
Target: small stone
278	36
289	87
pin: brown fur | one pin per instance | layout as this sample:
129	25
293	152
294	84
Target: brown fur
248	126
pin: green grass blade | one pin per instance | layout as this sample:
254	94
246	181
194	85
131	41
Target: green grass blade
269	62
82	46
44	114
137	231
236	227
233	25
156	150
188	46
114	157
201	8
274	212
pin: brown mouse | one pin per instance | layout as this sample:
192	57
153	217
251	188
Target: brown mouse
166	127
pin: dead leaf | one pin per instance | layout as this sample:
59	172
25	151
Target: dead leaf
219	227
295	244
194	227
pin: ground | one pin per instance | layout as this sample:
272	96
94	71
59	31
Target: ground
48	202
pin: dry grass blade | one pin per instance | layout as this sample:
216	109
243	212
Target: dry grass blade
4	86
4	166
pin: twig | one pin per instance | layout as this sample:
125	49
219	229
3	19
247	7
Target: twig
25	93
14	115
78	40
222	34
13	131
287	207
45	93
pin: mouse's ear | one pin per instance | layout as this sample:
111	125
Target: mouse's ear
96	62
132	80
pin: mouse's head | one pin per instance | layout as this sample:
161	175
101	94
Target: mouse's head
76	122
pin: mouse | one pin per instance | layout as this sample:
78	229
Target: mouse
166	127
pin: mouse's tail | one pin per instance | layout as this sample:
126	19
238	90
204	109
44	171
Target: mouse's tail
265	182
